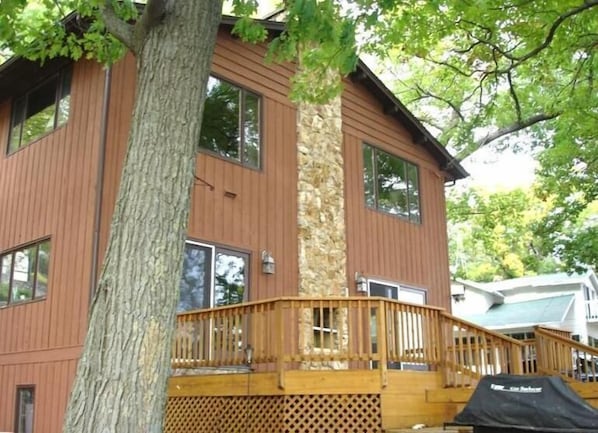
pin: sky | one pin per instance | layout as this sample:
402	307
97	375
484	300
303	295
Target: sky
505	170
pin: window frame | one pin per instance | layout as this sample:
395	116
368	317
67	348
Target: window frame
260	111
214	250
17	419
399	287
12	252
375	150
324	325
59	76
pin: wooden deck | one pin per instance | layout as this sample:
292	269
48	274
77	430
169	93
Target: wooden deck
349	400
362	365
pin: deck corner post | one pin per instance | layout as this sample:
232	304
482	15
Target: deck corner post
278	317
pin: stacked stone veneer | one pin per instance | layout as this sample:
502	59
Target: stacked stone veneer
321	217
321	200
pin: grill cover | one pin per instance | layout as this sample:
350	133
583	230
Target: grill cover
519	404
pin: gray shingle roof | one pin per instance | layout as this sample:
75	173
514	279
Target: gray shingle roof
538	311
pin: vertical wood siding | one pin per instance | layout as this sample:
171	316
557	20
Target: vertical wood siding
248	210
382	245
52	381
47	189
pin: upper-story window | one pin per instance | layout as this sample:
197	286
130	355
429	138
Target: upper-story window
231	123
24	273
41	110
391	184
212	277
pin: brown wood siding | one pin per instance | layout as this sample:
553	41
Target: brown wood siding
384	246
249	210
52	381
47	190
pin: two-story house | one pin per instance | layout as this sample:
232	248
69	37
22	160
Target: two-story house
285	195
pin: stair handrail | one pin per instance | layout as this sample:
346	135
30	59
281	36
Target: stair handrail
571	359
465	362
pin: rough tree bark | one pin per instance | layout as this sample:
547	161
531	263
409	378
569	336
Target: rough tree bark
122	375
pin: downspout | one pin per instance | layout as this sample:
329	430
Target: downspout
100	185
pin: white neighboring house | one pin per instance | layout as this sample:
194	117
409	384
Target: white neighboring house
514	307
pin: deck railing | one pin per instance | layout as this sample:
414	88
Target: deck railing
558	355
341	333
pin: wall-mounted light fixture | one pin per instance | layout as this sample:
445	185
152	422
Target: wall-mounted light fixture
458	292
249	355
361	283
268	263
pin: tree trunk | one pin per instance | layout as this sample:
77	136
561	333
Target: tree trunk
122	375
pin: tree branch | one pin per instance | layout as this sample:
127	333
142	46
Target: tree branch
153	13
587	4
427	94
514	96
448	65
116	26
518	60
517	126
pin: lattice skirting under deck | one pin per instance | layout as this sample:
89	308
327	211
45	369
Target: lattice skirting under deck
354	413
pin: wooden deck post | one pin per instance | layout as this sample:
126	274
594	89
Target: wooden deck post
516	359
441	348
279	327
382	346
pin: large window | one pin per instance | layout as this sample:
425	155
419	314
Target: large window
231	123
391	184
212	277
24	273
40	111
24	410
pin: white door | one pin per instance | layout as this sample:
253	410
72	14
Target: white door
406	340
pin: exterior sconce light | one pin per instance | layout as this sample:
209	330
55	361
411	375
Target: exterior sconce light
268	263
361	283
458	292
249	355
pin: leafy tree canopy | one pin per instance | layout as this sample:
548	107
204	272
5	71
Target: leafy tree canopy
491	235
568	177
480	71
520	74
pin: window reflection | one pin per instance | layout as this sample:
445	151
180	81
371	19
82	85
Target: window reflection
231	123
41	110
212	277
229	278
25	410
391	184
24	273
195	280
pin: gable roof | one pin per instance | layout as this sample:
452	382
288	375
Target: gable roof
547	280
480	287
535	312
19	74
